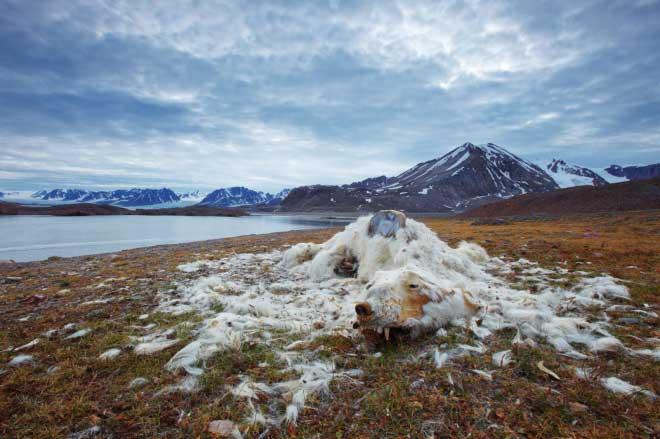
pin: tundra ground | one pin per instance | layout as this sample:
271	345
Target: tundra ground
67	389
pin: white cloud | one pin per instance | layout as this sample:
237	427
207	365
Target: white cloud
474	40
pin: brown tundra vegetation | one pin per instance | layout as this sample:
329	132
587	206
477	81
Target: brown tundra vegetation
80	308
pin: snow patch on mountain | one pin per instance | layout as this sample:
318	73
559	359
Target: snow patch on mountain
566	175
609	177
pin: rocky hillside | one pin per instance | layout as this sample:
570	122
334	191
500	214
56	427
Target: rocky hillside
632	195
634	172
466	176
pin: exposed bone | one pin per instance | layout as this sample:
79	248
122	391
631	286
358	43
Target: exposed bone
386	223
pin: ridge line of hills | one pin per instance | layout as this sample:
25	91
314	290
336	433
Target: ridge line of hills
464	178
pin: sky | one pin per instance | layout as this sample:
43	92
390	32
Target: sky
273	94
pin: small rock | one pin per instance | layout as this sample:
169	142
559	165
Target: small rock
222	428
12	279
417	384
576	407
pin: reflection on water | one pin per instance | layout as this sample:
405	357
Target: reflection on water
29	238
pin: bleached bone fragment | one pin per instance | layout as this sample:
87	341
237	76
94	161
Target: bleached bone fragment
542	367
28	345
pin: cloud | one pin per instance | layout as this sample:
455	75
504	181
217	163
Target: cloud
275	94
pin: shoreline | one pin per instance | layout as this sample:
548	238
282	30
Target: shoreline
182	247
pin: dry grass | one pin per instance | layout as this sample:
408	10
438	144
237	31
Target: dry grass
397	397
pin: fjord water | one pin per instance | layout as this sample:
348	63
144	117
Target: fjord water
31	238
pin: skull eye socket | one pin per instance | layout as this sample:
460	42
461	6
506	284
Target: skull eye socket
413	286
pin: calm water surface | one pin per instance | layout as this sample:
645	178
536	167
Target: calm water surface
31	238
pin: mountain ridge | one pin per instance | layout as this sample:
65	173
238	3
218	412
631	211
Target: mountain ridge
467	175
142	197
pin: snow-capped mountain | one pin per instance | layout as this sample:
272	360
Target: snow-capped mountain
466	176
566	175
242	196
120	197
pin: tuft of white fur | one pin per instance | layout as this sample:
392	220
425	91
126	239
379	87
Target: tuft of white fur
152	347
618	385
110	354
606	344
440	358
78	334
21	360
502	358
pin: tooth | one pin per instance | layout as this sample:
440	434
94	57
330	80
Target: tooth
387	334
380	329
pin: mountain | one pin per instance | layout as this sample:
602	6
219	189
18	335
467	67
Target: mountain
572	175
468	175
121	197
234	196
242	196
631	195
634	172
